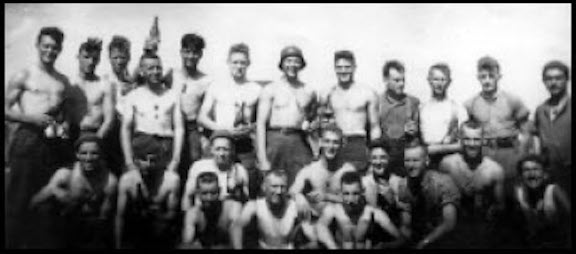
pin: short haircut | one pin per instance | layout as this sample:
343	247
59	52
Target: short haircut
332	127
488	63
89	138
392	64
417	146
344	54
91	45
470	124
555	64
149	55
540	159
192	41
207	178
120	43
53	32
351	177
379	143
443	67
239	48
276	172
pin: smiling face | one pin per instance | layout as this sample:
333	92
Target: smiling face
379	160
88	155
472	142
291	65
48	49
344	69
276	189
415	160
222	151
208	193
351	194
238	63
533	174
190	57
330	144
395	81
152	70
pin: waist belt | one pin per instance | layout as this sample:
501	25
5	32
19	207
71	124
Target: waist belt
504	142
286	130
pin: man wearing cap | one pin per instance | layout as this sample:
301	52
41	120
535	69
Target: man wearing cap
147	208
399	115
285	110
501	114
355	106
153	118
230	104
232	177
191	84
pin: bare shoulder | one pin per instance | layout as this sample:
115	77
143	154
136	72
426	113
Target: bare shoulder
21	76
493	168
128	179
62	175
171	178
112	182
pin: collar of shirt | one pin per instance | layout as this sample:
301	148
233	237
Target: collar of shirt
492	98
393	101
560	107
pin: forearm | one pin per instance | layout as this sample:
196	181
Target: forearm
177	146
118	231
126	141
444	148
437	233
105	127
208	123
261	140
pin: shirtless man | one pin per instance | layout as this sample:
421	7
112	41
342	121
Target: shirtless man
355	107
83	196
285	109
122	83
382	186
93	110
230	104
191	84
433	199
319	182
207	224
544	205
153	117
35	153
232	176
146	215
279	223
480	181
438	128
354	218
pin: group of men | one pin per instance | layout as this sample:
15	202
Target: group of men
185	160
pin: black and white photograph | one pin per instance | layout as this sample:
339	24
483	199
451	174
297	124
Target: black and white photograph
287	126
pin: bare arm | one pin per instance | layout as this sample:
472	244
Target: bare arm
109	200
126	135
55	188
173	198
203	114
264	111
178	118
236	231
190	187
16	86
189	227
324	234
448	223
120	210
373	117
108	108
384	221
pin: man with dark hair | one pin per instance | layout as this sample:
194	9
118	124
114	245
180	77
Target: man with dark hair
285	110
83	197
355	107
503	118
433	198
208	223
318	183
280	226
148	197
36	101
93	110
440	116
354	219
398	113
232	176
546	210
230	105
480	181
191	84
553	122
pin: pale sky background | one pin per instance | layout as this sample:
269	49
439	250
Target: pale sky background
522	37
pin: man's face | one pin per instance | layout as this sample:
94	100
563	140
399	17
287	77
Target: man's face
489	80
221	151
208	193
147	163
238	63
415	161
190	57
555	81
533	174
119	60
291	66
330	144
395	81
351	194
438	81
472	142
48	49
88	155
88	60
152	70
379	161
344	69
275	188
